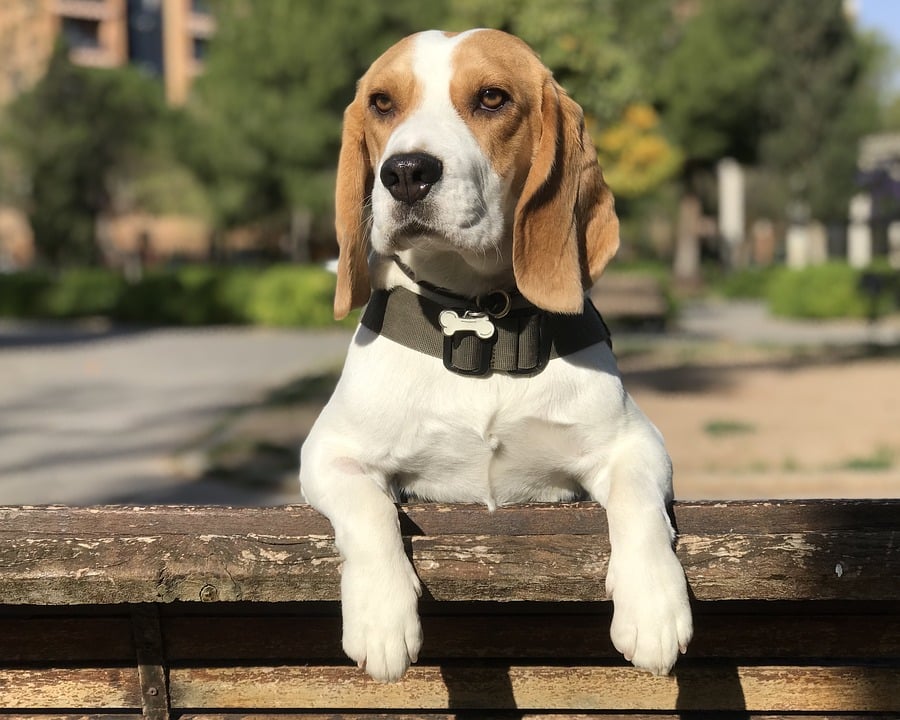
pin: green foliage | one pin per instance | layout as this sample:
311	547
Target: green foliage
819	101
70	137
833	290
286	296
22	294
262	130
289	296
81	292
787	86
752	283
189	296
710	85
823	291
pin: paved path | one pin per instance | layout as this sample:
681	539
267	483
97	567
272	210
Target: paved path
93	416
749	322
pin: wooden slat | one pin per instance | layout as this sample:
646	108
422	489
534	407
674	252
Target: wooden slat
696	518
762	689
538	637
801	565
66	688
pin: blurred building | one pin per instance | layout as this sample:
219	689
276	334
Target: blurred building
167	38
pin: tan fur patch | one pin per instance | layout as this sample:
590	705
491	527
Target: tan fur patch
508	136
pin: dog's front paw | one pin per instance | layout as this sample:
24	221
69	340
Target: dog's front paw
652	612
382	632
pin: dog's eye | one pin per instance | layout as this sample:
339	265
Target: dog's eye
492	99
382	103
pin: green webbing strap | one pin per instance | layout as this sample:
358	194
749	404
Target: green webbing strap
524	341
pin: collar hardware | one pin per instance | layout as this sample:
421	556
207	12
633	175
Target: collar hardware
497	304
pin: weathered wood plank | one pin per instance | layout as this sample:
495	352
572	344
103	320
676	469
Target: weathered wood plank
697	518
755	688
801	565
66	688
523	637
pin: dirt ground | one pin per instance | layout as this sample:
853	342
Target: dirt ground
756	423
741	422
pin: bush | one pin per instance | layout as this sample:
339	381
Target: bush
822	291
287	296
746	284
22	294
82	292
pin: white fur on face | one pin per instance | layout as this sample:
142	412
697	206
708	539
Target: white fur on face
465	211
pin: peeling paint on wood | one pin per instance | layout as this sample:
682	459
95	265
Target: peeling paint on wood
69	688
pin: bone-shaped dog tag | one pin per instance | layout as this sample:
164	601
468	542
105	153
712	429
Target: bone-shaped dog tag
478	323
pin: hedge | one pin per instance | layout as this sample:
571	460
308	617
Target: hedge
281	295
831	290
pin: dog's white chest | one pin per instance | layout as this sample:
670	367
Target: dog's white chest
507	458
439	436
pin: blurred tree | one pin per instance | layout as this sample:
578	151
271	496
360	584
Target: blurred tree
67	139
635	156
890	114
786	86
263	126
819	102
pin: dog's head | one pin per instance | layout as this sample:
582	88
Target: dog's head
465	144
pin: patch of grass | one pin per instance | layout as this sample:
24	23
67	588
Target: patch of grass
881	459
722	428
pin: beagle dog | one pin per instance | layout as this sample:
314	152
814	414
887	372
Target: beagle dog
472	218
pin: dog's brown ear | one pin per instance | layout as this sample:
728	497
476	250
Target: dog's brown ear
566	229
354	184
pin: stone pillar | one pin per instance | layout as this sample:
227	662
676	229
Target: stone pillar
859	234
731	205
797	246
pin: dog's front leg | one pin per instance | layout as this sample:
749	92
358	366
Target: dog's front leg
379	588
651	615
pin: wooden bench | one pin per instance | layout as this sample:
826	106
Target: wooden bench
632	301
188	612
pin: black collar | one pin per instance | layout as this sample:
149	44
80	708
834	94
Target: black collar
474	339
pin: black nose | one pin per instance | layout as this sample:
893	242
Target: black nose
409	177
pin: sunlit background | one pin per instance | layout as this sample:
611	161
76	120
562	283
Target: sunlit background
166	181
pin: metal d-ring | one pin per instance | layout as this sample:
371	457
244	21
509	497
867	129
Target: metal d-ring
497	304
